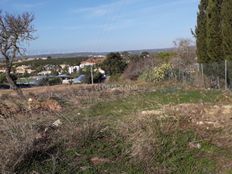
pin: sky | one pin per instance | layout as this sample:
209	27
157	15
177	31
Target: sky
105	25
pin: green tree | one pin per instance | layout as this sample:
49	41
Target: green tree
97	76
65	70
114	64
145	54
54	72
214	36
26	74
226	13
3	79
201	32
126	56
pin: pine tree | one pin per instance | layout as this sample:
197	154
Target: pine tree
201	32
214	35
226	13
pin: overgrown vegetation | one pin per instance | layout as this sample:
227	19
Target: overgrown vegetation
113	129
114	64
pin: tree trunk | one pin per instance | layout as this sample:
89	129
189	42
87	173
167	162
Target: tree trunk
12	83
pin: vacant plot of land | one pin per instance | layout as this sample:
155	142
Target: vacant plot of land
117	129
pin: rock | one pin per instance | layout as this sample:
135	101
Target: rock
84	168
57	123
200	123
152	112
193	145
227	109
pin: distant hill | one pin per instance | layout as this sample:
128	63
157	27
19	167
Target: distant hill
149	50
89	54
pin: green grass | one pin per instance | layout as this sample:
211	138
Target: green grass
77	159
171	153
149	101
180	159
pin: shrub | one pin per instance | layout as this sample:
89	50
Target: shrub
137	65
115	78
97	76
156	74
54	81
3	78
114	64
166	56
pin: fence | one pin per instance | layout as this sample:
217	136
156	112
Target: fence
217	75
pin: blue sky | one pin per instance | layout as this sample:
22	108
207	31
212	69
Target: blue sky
105	25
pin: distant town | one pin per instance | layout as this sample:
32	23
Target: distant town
40	71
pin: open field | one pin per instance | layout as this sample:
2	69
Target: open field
116	129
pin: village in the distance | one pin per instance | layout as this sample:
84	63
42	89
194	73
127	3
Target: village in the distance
42	71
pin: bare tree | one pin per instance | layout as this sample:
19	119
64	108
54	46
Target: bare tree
186	51
14	31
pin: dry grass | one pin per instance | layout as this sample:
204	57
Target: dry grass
23	123
148	141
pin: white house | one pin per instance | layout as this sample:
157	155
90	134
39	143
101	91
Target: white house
44	73
101	71
63	66
2	70
92	61
43	58
83	64
23	69
72	69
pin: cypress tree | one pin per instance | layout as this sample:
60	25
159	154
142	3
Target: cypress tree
201	32
226	13
214	35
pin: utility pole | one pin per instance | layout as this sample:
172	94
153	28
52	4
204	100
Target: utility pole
92	74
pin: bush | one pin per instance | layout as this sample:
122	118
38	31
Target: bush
114	64
97	76
54	81
156	74
4	80
115	78
137	65
166	56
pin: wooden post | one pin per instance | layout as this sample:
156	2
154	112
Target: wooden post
202	74
92	74
226	75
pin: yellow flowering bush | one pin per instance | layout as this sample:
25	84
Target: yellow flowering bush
156	74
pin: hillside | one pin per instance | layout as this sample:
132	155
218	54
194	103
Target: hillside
116	128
